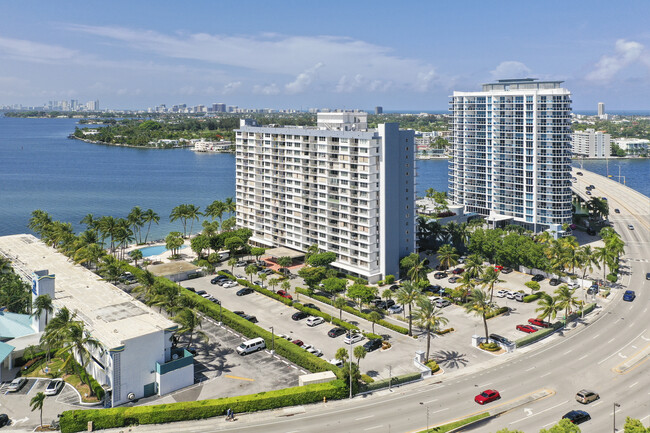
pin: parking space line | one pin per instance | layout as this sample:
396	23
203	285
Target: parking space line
239	378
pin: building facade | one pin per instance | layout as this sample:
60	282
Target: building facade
339	185
591	144
511	149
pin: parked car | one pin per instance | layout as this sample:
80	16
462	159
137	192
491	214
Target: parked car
487	396
258	283
335	332
298	343
226	271
585	396
593	290
206	295
299	315
16	384
629	295
240	264
538	278
351	339
526	328
499	339
230	284
588	192
312	306
502	293
372	345
384	305
191	289
458	271
462	259
591	231
311	349
315	320
506	270
395	309
617	210
647	276
336	362
215	300
284	294
579	173
4	419
54	387
511	294
244	291
442	303
519	297
453	279
239	313
394	288
577	416
630	226
439	275
250	318
498	267
538	322
198	292
554	281
218	278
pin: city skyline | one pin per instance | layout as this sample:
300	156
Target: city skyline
299	56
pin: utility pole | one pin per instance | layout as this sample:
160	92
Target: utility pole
614	425
272	340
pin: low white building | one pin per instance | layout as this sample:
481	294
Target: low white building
633	146
212	146
135	358
591	144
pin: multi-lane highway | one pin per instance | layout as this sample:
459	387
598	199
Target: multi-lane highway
609	354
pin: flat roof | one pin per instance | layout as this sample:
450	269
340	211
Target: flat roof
283	252
110	315
171	268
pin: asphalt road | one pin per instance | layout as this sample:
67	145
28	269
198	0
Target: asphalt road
608	354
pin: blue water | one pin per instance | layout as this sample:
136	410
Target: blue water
40	168
634	173
156	250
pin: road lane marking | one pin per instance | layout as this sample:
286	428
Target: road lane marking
619	350
541	411
583	357
634	384
239	378
531	368
363	417
441	410
544	375
430	401
372	428
611	340
568	351
595	336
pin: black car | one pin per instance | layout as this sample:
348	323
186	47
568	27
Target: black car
244	291
439	275
591	232
394	288
299	315
499	339
335	332
593	290
239	313
218	278
577	416
617	211
384	305
312	306
506	270
251	319
647	276
372	345
4	419
435	288
200	292
554	281
579	173
215	300
538	278
191	289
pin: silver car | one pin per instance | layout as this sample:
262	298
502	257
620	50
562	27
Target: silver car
16	384
54	387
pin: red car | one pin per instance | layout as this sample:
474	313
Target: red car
298	343
526	328
487	396
538	322
498	267
284	294
458	271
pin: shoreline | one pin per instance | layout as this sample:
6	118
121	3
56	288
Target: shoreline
86	140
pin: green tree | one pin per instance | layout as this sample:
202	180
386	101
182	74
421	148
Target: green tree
418	271
340	303
273	283
564	426
173	242
257	253
430	318
634	426
361	293
359	353
547	307
135	219
341	354
564	299
447	256
111	268
323	259
533	286
200	243
148	217
387	294
234	244
78	342
284	262
333	285
474	265
250	271
190	321
490	279
136	255
216	209
312	275
374	317
479	304
192	213
232	262
408	294
180	213
42	304
36	403
263	278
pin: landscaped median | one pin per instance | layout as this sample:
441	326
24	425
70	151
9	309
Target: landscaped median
542	333
454	425
77	420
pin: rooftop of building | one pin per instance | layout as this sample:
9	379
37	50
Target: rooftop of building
14	325
110	315
171	268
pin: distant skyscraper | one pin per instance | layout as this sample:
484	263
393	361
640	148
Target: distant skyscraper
512	153
601	108
379	109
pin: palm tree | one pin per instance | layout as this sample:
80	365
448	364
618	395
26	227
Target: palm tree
273	282
173	242
284	262
418	271
430	318
231	206
77	341
36	403
111	268
39	221
490	278
180	213
42	304
210	228
341	354
564	299
136	255
286	286
56	330
407	295
147	282
447	256
547	307
90	222
216	209
480	305
148	217
263	278
466	284
374	317
107	225
232	262
250	271
167	297
587	260
605	256
474	265
359	353
192	212
189	321
135	219
340	303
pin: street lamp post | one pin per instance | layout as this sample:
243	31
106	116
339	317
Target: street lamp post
220	314
272	340
350	359
390	377
614	423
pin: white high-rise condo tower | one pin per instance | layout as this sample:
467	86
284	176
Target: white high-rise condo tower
339	185
512	153
601	108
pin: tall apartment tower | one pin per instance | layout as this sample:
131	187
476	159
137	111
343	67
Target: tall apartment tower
339	185
601	108
591	144
512	153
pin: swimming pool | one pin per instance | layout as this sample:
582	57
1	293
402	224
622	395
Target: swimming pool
155	250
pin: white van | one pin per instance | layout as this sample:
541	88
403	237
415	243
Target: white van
251	346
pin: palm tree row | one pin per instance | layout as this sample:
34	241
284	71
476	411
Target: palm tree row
563	300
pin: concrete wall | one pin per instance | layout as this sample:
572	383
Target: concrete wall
176	379
137	365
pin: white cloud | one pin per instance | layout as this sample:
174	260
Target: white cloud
626	53
231	87
303	80
34	51
510	69
271	89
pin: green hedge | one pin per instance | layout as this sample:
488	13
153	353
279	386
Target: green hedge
533	297
259	289
397	380
77	420
454	425
354	311
542	333
497	312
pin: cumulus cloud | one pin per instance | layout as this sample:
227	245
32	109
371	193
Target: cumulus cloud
34	51
321	58
231	87
303	80
510	69
271	89
625	53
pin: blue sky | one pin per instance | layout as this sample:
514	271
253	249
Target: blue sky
302	54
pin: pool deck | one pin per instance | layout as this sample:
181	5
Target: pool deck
184	254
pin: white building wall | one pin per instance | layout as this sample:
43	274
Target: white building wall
137	365
591	144
170	382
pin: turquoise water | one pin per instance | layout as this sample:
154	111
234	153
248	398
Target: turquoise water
156	250
40	168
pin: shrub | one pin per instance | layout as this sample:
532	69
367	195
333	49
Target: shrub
390	279
433	365
490	347
371	336
533	297
445	331
497	312
77	420
367	379
612	278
